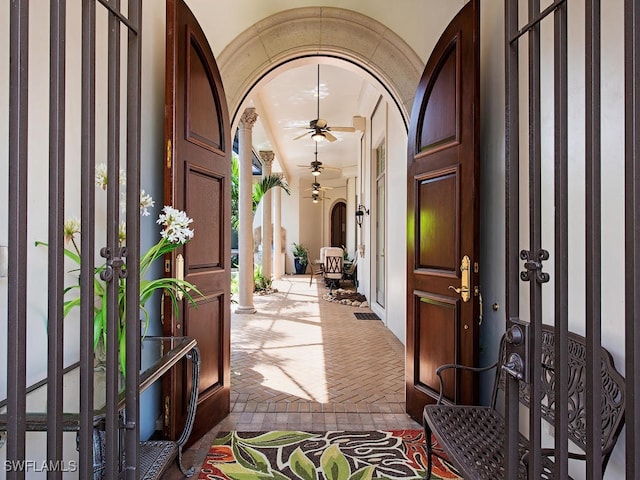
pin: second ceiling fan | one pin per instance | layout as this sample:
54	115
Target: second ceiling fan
319	128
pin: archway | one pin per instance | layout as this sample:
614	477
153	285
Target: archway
337	35
338	223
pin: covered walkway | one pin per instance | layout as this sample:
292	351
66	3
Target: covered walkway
304	363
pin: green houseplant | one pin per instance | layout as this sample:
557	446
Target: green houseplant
175	233
300	257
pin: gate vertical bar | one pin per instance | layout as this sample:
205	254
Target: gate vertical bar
87	236
593	239
17	282
55	327
113	220
632	236
512	172
561	243
132	436
535	240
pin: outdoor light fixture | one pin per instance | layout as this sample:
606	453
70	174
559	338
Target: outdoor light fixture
318	136
360	211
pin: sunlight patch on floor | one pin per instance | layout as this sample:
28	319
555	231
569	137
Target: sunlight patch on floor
280	367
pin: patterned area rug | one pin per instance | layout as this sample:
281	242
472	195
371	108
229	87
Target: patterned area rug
338	455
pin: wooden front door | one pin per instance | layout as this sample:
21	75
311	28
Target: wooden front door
339	225
197	180
443	226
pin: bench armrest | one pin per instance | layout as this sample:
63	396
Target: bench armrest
448	366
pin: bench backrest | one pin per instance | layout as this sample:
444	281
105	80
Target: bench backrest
613	398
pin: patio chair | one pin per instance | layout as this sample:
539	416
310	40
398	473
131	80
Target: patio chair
317	266
332	270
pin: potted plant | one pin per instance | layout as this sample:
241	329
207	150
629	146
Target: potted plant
175	233
300	257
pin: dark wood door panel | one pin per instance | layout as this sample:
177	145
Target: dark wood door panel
207	210
437	324
198	166
202	103
440	115
443	215
437	225
205	325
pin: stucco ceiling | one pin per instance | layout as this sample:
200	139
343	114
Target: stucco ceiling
287	104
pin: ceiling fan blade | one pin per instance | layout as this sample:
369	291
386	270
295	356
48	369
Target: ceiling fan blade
320	123
329	137
341	129
301	135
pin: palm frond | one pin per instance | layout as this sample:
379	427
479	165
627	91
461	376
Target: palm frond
266	184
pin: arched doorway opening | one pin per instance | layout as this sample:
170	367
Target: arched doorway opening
338	224
391	83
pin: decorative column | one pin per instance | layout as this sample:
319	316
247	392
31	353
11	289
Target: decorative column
267	229
277	235
245	213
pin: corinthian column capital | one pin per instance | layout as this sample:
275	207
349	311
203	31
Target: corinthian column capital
267	156
248	118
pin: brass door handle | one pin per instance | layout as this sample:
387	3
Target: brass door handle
465	288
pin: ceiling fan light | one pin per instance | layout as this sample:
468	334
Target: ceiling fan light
315	172
318	136
315	191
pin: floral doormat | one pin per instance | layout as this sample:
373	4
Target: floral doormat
337	455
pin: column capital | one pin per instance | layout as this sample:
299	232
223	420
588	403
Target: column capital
248	118
267	156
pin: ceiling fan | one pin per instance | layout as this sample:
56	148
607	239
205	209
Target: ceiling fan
319	128
317	166
317	198
316	188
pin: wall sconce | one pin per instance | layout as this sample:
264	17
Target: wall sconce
360	211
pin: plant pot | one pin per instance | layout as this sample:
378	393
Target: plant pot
300	267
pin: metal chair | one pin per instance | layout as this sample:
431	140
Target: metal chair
317	266
332	270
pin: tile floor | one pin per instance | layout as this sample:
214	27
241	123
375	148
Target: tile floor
302	362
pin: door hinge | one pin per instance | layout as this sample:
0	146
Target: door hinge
476	267
169	153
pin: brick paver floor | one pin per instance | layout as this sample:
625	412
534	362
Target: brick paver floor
301	362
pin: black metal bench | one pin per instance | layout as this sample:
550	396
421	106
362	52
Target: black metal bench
473	436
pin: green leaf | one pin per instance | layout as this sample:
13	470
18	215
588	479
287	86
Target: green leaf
302	466
223	440
334	464
365	473
251	458
277	438
236	471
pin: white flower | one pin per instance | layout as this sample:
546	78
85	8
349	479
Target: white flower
102	177
71	228
146	202
122	233
175	225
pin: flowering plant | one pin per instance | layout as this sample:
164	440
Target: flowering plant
175	232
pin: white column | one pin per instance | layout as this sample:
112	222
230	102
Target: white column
245	213
267	229
277	237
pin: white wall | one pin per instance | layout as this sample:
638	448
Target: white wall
612	206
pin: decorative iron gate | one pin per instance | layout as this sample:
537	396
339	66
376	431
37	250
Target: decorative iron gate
524	61
119	28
